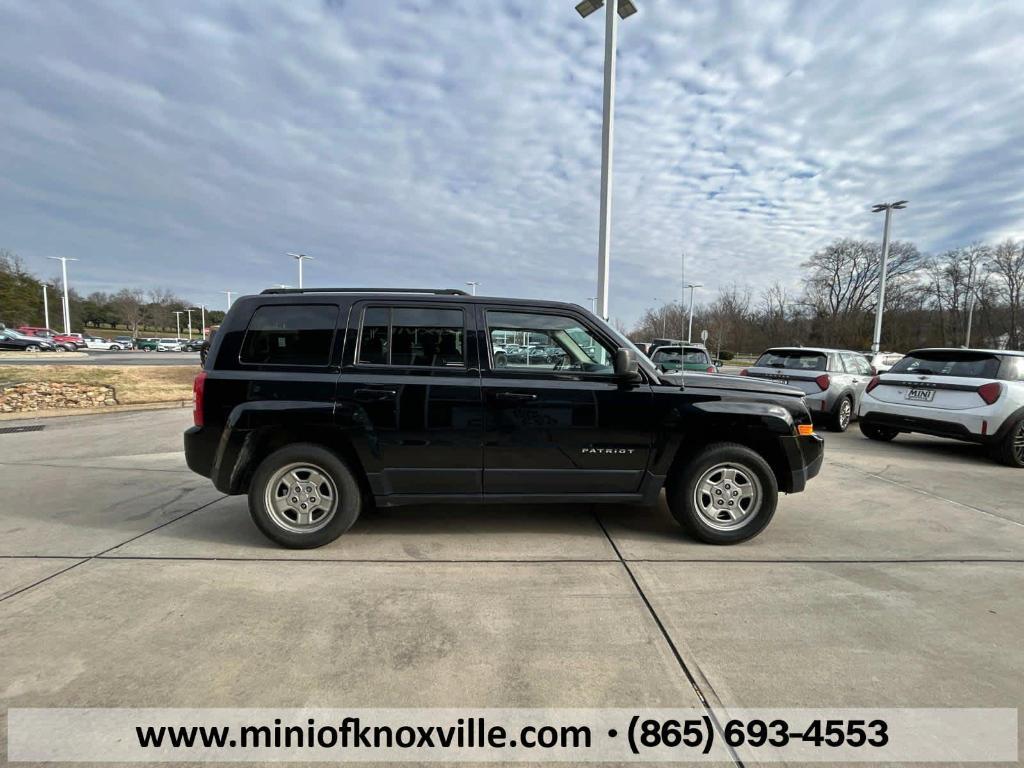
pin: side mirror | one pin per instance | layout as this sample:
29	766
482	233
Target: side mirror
625	364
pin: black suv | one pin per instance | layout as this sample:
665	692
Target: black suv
317	402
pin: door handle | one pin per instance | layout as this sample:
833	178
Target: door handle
374	395
514	397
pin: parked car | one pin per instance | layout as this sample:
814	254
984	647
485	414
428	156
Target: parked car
192	345
126	342
882	361
832	380
98	342
315	402
11	340
170	345
147	345
688	358
74	339
975	395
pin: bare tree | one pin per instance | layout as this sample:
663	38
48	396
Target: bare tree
1007	267
953	277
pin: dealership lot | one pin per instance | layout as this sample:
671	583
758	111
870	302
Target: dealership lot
896	579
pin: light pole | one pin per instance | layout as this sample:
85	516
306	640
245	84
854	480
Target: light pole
689	329
888	208
190	310
46	308
64	302
229	297
625	9
593	304
177	319
202	319
299	257
472	286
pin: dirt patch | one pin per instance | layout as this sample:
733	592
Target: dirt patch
129	384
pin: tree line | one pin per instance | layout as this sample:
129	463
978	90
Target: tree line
133	309
929	301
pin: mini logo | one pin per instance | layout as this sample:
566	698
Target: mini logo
606	451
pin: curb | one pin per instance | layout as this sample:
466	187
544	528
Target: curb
36	357
54	413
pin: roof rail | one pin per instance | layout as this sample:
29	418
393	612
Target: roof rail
432	291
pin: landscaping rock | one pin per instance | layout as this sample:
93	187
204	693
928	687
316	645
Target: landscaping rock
47	395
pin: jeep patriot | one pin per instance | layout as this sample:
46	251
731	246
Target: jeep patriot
318	402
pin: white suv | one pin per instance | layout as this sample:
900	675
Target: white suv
967	394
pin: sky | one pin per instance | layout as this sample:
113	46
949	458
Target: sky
189	145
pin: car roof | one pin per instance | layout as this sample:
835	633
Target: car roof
817	350
1012	352
446	295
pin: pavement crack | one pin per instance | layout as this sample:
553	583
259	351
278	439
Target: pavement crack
690	676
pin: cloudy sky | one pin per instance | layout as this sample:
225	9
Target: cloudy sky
190	144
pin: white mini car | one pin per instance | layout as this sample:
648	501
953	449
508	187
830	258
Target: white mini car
975	395
96	342
170	345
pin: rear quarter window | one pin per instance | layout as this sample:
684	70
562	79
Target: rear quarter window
290	334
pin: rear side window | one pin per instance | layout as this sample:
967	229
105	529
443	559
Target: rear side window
691	356
290	334
793	358
413	336
971	365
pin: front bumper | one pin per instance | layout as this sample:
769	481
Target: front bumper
805	455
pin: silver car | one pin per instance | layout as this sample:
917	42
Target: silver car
833	380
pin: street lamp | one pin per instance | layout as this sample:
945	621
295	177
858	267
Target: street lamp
64	302
299	257
888	208
177	319
46	308
689	329
593	304
189	311
625	9
202	321
229	296
472	286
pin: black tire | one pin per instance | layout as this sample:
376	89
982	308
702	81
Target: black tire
32	348
59	348
683	499
875	432
500	360
1010	450
114	348
841	416
346	488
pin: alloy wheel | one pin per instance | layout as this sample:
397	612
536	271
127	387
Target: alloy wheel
301	498
845	412
727	496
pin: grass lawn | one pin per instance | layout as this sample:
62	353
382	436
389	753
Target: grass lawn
132	383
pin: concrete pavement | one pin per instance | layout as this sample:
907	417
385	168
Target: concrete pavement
896	579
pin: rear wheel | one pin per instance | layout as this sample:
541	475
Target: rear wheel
875	432
32	348
841	415
1010	450
114	348
304	496
725	494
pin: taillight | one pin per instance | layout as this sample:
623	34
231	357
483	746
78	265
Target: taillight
990	392
744	372
711	369
197	390
873	383
823	381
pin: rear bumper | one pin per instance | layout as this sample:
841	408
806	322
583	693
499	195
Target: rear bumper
805	455
956	430
976	425
200	450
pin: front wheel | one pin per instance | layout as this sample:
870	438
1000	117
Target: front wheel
32	348
114	348
303	496
725	494
875	432
1010	450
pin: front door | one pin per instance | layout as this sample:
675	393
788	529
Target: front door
556	419
410	394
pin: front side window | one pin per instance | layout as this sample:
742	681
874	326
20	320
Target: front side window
856	364
413	336
539	342
289	334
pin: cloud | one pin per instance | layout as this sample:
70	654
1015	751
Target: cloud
191	144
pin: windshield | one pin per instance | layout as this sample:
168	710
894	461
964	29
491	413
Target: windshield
973	365
800	359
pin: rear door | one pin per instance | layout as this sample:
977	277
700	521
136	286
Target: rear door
410	393
858	374
939	380
563	424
